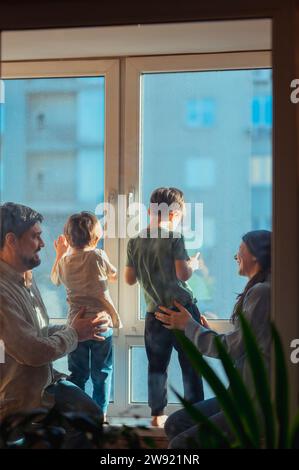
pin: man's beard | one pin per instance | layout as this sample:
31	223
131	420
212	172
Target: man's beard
31	263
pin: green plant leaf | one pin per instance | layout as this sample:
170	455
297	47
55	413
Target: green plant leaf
294	433
239	394
218	438
149	441
226	402
261	381
281	391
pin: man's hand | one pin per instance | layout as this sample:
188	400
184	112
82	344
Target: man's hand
174	320
61	246
90	327
107	318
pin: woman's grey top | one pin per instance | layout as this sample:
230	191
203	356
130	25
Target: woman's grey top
256	309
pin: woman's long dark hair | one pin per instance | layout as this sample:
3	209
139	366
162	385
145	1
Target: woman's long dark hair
258	243
261	276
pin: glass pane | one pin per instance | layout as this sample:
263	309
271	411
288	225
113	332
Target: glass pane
52	158
138	380
209	134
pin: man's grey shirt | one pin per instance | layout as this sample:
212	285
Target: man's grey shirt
30	343
257	311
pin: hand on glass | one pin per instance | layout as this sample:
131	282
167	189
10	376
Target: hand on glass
61	246
174	320
195	261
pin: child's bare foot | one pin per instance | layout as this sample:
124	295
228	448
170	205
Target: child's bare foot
159	421
104	420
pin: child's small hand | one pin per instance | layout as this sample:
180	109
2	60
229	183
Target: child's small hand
204	322
60	246
195	261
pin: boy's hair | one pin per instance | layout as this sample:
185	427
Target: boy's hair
17	219
79	229
169	196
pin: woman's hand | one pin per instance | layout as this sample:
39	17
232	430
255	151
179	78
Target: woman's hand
60	246
174	320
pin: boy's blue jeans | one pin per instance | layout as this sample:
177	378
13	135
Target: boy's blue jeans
159	342
95	359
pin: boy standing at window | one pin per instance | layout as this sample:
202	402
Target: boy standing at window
158	260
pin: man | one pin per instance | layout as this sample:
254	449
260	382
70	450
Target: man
26	377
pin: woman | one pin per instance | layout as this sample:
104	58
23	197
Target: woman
254	260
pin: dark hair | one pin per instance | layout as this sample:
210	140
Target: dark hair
259	244
17	219
79	229
168	196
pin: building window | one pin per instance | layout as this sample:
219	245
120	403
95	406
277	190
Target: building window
200	113
261	170
261	111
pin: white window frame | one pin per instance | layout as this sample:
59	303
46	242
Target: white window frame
109	69
133	69
122	126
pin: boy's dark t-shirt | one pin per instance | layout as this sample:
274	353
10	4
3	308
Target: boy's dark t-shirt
154	262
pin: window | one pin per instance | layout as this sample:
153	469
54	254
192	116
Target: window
56	141
222	177
138	367
193	119
200	172
187	122
261	171
49	160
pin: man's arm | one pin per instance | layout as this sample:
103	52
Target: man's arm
54	328
22	340
24	343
